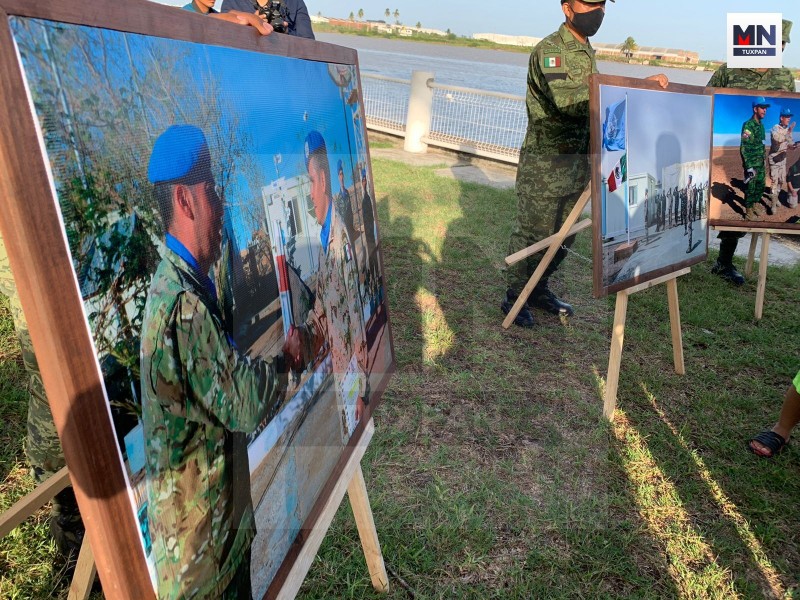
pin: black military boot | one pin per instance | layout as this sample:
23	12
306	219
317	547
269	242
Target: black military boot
543	299
724	265
728	272
524	318
66	527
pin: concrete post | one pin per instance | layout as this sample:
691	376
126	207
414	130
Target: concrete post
418	122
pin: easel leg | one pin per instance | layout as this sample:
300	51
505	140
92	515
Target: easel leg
751	255
762	276
85	572
359	501
615	358
675	326
555	244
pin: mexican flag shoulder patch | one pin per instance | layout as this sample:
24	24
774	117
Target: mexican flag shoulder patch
552	62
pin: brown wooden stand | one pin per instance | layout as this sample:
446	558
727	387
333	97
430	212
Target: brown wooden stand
26	507
618	334
552	243
765	235
351	481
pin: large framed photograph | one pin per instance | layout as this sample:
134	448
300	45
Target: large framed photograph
755	170
650	179
190	212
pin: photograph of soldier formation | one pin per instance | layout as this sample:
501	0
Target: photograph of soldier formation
756	161
231	276
654	174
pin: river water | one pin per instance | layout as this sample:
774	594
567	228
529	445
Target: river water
479	68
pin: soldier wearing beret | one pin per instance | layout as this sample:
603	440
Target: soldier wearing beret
752	150
553	163
746	79
780	140
197	389
336	322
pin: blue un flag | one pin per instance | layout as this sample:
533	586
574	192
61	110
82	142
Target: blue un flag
614	126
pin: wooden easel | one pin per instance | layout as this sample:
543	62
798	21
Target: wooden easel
85	570
618	334
350	481
552	243
763	262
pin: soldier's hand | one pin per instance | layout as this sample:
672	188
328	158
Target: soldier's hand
361	407
791	127
662	80
243	18
293	350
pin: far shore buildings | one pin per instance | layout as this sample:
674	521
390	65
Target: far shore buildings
642	53
379	26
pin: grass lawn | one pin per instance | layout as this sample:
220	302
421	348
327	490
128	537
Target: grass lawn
492	474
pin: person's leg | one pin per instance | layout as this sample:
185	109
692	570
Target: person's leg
724	266
787	420
42	446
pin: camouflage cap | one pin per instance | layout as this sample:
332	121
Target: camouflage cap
787	29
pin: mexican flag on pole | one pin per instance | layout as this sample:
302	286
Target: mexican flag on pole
619	174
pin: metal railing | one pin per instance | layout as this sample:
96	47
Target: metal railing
386	102
479	122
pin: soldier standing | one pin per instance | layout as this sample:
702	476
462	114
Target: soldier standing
197	389
747	79
553	163
752	150
336	320
781	139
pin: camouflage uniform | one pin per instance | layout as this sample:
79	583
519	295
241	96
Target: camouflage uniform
42	446
196	391
331	321
746	79
553	163
781	138
753	150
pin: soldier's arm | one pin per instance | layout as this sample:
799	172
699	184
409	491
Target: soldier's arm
719	78
752	150
238	391
568	92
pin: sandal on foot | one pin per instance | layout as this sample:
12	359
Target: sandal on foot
772	441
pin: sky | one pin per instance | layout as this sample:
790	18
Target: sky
275	120
671	128
697	25
731	111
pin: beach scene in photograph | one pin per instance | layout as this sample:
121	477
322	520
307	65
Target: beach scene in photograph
774	202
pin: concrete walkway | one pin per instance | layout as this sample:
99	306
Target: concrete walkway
783	250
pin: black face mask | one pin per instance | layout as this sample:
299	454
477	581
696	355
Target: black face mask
588	23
